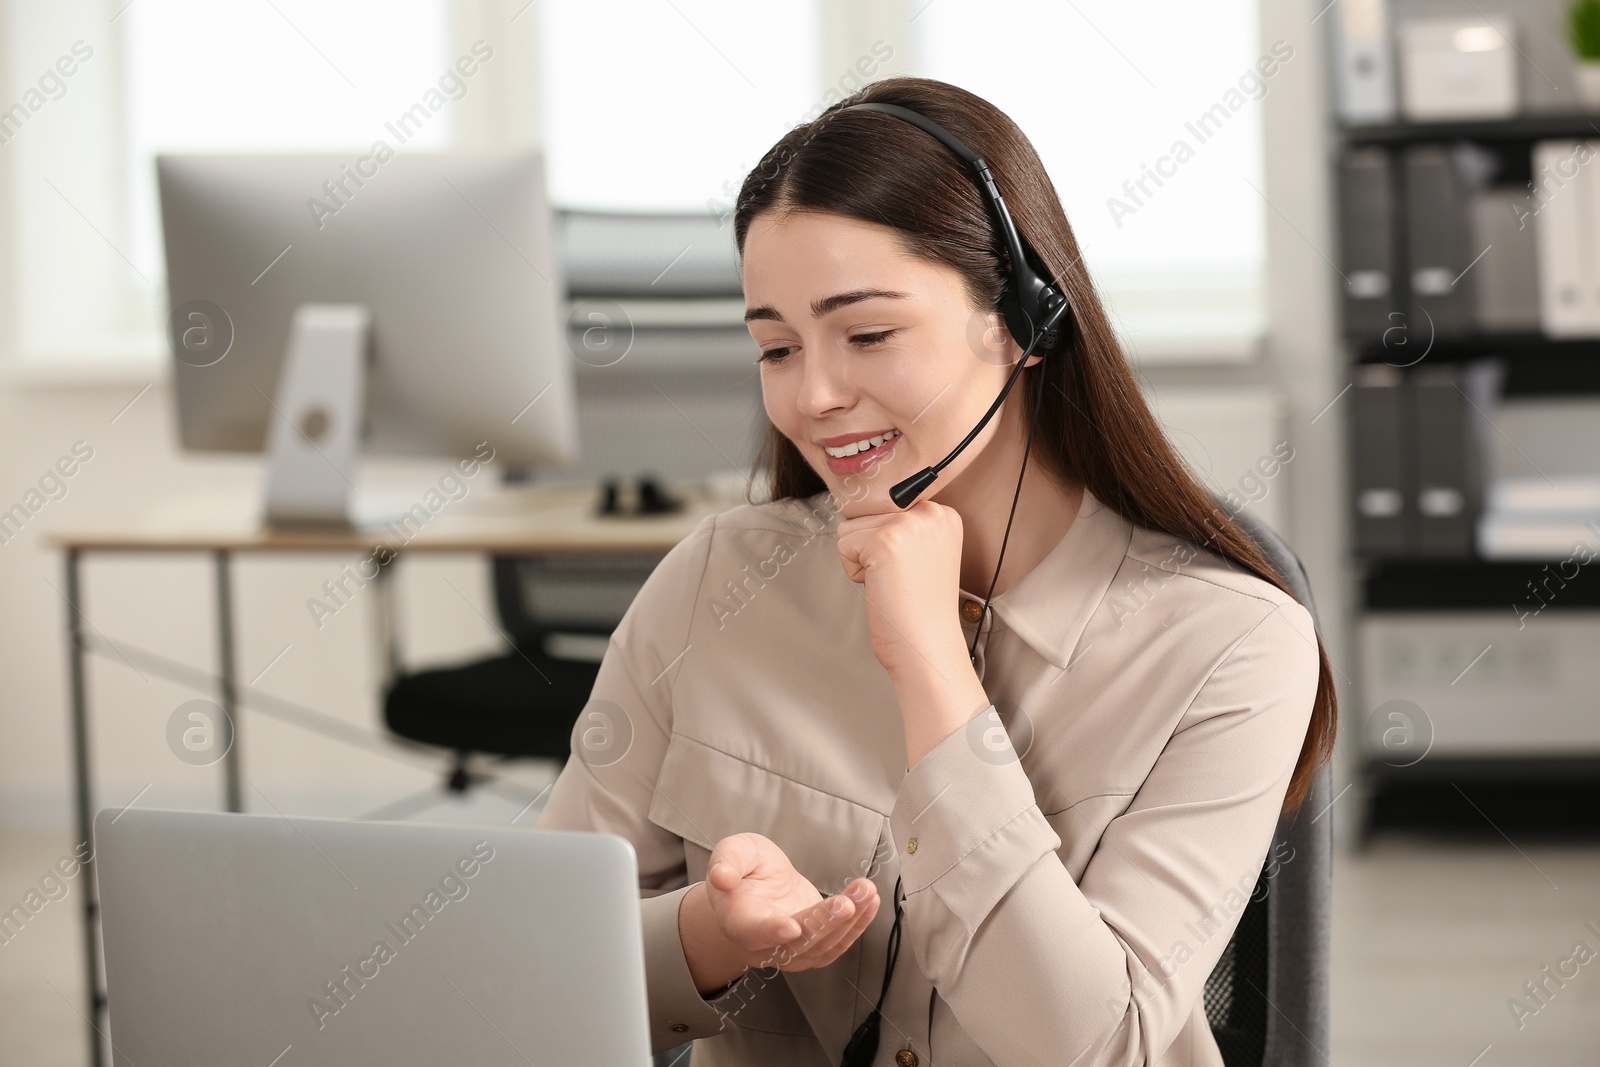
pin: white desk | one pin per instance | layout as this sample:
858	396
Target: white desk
496	520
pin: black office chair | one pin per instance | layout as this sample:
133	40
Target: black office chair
523	704
1267	997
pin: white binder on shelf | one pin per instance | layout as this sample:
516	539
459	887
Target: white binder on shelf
1566	178
1364	62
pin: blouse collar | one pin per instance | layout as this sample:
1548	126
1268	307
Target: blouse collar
1052	604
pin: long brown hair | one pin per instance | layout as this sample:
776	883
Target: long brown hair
1100	433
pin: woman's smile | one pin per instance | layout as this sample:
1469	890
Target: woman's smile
859	459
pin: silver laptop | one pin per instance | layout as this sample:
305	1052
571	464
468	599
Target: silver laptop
259	939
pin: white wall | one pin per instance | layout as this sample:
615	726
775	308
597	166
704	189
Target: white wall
1303	343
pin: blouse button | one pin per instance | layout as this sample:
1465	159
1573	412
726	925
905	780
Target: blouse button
911	846
905	1058
678	1028
971	610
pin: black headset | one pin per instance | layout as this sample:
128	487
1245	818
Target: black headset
1026	300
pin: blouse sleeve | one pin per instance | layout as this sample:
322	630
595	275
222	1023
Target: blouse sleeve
1107	970
607	784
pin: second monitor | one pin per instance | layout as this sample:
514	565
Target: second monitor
325	305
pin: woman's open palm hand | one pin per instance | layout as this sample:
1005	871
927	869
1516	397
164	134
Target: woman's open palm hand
774	914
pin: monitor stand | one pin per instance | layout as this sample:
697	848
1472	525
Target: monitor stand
314	430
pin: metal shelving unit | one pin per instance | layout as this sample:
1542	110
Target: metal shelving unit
1534	790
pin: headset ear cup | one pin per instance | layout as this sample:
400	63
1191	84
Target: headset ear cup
1018	322
1022	324
1056	335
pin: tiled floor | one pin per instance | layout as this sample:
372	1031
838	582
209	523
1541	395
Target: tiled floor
41	967
1431	940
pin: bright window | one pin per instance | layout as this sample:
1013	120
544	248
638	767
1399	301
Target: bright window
1107	91
642	105
184	75
210	77
665	105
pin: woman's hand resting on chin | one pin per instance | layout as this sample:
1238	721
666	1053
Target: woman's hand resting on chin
910	564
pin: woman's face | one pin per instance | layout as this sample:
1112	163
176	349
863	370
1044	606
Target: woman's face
859	340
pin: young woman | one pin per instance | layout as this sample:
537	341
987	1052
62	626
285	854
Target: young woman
1053	709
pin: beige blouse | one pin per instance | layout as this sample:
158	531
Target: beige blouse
1073	862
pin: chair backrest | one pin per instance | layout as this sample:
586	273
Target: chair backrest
567	594
1267	998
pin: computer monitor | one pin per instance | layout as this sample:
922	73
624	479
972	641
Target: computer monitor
322	306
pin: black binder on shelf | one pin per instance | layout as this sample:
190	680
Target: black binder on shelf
1438	229
1369	243
1445	521
1382	493
1450	416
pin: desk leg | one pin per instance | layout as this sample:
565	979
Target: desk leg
85	804
384	624
229	686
